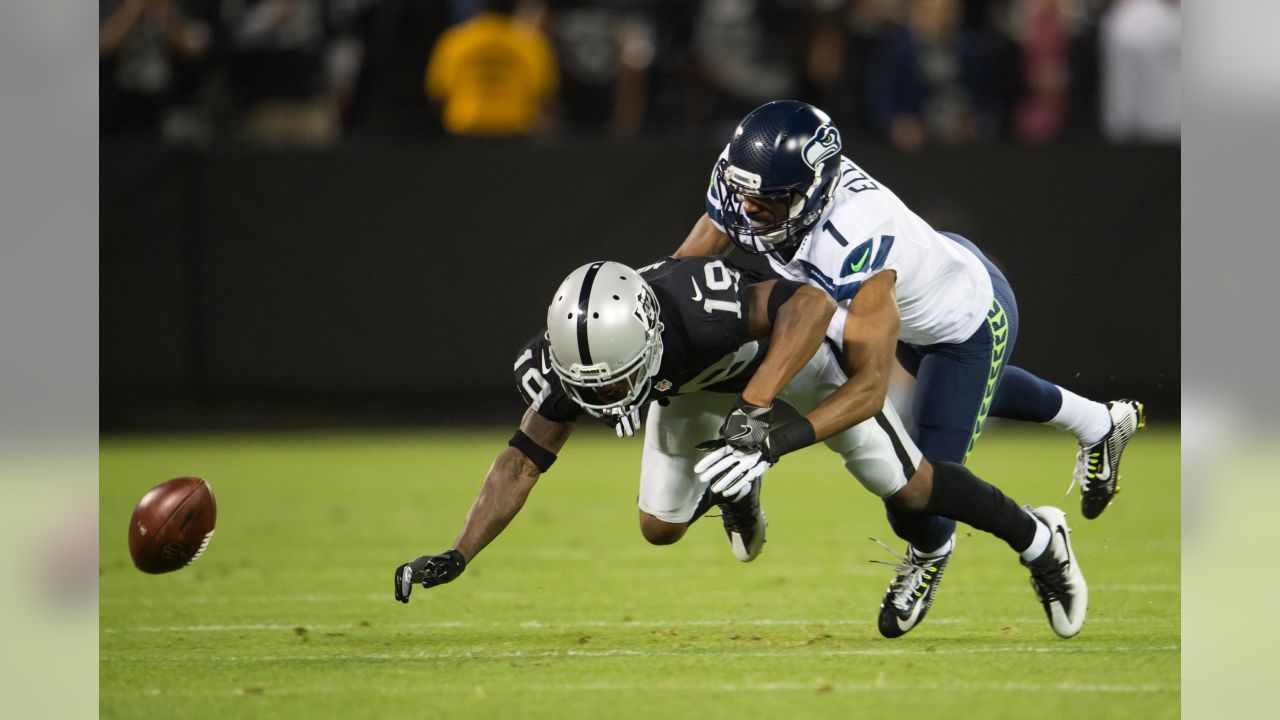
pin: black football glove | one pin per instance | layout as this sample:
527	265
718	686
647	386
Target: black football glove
430	570
746	449
747	425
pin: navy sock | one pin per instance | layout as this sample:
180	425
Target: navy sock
1023	396
925	532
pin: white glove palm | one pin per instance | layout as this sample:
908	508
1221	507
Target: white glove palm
731	471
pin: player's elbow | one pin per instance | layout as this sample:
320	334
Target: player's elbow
822	304
871	387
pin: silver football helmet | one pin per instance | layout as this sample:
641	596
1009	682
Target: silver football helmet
606	339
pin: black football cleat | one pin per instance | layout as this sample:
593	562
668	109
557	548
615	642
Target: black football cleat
1097	467
911	593
745	524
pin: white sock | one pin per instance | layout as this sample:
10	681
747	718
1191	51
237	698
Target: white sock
1039	543
1089	421
946	548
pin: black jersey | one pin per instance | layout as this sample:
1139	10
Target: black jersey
703	306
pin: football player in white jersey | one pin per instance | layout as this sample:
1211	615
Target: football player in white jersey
782	189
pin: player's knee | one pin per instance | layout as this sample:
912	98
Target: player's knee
660	532
914	496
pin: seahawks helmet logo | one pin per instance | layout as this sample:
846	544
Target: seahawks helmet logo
824	145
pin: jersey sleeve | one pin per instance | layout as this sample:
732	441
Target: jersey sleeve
539	385
845	261
713	194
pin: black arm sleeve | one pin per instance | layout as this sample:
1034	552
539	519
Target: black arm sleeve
781	293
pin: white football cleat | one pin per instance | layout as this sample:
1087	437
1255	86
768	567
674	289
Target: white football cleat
1056	576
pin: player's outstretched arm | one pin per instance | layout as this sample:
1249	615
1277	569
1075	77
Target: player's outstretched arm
506	487
704	240
870	338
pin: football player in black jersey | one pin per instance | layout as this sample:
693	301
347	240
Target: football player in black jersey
617	339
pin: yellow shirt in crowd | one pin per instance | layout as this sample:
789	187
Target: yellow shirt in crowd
492	76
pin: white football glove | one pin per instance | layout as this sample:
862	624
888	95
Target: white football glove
731	471
627	421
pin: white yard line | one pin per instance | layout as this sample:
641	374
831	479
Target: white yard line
1060	648
312	598
875	686
568	624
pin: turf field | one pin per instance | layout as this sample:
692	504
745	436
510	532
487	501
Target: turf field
571	614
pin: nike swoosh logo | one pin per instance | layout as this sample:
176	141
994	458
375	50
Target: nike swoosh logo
1066	545
697	291
912	619
545	367
862	262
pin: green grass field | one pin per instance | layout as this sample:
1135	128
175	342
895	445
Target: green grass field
571	614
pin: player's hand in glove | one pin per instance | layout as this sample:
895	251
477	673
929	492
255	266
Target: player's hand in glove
746	448
739	457
627	421
430	570
731	471
747	425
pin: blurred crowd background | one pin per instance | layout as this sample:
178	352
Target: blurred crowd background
912	73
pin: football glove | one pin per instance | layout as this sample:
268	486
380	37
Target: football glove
430	570
627	421
747	425
731	471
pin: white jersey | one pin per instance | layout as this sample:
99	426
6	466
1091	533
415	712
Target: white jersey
943	289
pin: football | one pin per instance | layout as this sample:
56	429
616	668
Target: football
172	525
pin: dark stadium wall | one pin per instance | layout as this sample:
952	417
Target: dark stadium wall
394	283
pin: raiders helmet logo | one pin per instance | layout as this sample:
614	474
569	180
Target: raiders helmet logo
824	144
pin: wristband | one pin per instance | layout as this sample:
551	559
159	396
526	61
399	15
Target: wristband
540	456
779	295
789	438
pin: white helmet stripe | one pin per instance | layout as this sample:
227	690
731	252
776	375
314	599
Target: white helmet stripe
584	296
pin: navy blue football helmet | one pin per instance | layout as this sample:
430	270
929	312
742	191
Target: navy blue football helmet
784	161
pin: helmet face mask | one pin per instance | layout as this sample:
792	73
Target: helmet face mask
785	209
604	392
783	160
605	338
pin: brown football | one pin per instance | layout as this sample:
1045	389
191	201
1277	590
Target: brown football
172	525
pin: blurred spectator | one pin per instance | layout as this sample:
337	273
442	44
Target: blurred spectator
1141	71
914	71
606	50
1046	71
843	36
750	51
292	66
931	80
149	53
494	76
